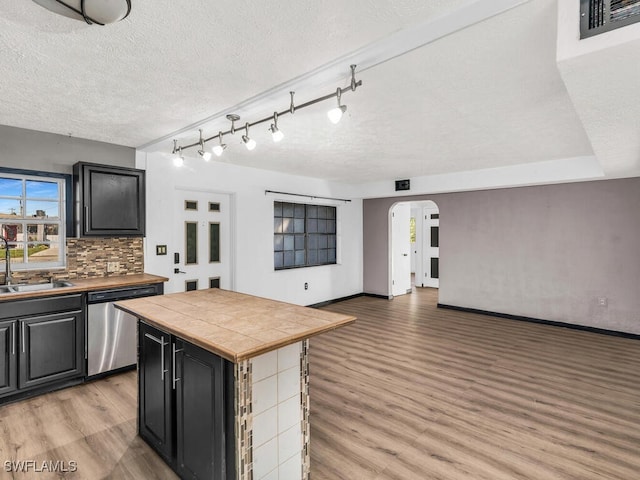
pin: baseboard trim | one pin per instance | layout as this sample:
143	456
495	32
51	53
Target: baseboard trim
375	295
572	326
335	300
342	299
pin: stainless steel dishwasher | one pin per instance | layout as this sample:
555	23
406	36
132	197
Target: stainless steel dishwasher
112	333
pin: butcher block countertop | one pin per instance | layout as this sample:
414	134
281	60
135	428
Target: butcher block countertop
233	325
88	285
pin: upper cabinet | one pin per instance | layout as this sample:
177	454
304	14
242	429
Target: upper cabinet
109	200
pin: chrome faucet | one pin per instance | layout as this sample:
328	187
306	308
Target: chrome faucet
7	261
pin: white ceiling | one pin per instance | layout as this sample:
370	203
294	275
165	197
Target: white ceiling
486	96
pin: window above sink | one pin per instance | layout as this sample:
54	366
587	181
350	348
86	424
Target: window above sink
33	216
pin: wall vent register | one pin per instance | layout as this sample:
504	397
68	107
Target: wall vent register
599	16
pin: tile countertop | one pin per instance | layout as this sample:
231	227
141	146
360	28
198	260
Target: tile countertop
233	325
87	285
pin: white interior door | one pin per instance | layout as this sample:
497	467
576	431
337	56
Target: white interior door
400	249
203	240
431	247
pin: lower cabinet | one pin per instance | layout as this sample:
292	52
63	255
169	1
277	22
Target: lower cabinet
41	344
51	348
9	370
185	405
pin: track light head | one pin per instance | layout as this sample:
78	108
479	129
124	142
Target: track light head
202	152
335	114
218	149
250	143
276	134
205	155
178	159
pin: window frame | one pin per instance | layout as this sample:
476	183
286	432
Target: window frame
326	242
64	223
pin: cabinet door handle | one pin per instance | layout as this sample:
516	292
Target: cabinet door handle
175	350
13	338
162	345
24	348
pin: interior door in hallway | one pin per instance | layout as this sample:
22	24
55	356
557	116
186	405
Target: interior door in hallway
431	247
204	241
400	249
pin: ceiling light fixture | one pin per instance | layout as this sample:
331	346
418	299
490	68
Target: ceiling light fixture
275	131
99	12
218	149
335	114
276	134
178	159
202	152
250	143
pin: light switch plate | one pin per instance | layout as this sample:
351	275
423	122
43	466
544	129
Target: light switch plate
161	249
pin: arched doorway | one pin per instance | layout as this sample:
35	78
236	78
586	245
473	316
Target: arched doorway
413	246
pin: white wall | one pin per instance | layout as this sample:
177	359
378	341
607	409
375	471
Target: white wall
253	263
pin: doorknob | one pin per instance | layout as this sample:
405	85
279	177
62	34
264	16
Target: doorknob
177	270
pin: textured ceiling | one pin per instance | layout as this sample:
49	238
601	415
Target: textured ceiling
489	95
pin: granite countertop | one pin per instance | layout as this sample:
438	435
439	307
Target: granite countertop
233	325
88	284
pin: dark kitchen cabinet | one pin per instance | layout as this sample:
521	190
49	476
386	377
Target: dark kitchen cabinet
109	200
9	370
155	415
41	344
186	387
51	348
200	412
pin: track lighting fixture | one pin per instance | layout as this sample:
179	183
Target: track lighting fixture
178	159
276	134
250	143
202	152
334	114
218	149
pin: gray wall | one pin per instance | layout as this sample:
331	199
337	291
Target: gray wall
31	150
545	252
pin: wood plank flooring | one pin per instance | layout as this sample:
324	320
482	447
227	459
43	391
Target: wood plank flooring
407	392
415	392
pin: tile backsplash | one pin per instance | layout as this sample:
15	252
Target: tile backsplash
89	258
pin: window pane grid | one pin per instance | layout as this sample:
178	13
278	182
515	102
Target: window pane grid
32	220
304	235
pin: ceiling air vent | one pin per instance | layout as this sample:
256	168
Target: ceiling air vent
598	16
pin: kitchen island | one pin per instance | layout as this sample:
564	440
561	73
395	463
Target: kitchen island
224	382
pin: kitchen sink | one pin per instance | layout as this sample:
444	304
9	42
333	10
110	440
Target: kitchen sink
24	287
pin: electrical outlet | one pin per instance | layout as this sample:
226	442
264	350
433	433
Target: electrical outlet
306	286
113	267
602	301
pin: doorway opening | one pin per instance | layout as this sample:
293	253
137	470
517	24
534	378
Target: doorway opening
414	246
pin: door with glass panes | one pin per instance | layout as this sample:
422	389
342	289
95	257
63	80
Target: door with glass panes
202	236
431	247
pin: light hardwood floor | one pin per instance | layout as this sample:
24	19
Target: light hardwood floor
411	391
407	392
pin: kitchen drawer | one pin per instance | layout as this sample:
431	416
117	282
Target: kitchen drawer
41	306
